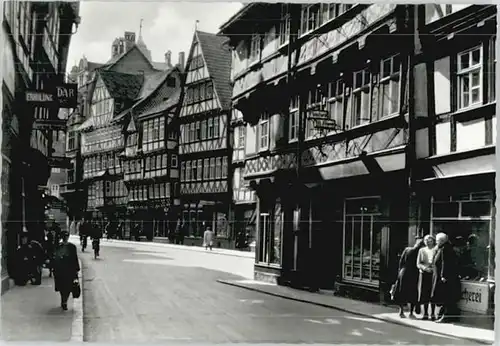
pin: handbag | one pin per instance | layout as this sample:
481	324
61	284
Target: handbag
76	291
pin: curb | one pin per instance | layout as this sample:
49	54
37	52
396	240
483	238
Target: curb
77	325
384	319
183	247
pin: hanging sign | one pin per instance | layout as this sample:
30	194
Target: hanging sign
63	96
52	124
59	162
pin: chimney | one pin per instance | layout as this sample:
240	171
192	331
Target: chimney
182	60
168	58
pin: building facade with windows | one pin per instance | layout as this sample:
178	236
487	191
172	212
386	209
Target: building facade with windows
455	78
72	191
102	143
204	146
354	87
244	201
37	37
150	161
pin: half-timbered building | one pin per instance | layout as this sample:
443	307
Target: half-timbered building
455	83
382	119
204	146
324	98
103	142
150	160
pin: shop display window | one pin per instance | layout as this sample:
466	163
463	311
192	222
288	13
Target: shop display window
467	219
362	236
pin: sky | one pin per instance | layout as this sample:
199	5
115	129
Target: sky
166	26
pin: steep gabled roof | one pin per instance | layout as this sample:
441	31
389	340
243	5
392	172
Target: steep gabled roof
218	59
162	104
156	97
151	82
94	65
159	66
122	85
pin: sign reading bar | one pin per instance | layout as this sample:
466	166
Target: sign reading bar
59	162
63	96
66	95
46	124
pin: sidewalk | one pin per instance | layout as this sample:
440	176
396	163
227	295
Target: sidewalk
33	313
380	312
75	240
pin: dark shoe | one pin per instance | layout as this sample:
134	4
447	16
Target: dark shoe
412	317
425	318
433	318
402	315
418	309
64	306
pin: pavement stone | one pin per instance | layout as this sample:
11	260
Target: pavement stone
33	313
216	251
381	312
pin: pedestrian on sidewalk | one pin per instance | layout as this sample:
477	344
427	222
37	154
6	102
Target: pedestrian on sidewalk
425	264
66	268
445	281
208	240
407	281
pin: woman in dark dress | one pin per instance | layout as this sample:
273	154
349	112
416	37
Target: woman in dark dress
66	268
406	290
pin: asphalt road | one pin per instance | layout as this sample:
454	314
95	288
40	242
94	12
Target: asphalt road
141	293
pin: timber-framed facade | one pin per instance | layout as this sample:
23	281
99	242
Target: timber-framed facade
347	149
204	146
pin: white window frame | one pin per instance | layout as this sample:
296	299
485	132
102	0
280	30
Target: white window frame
363	118
336	98
284	26
394	76
264	132
306	20
293	128
254	52
469	71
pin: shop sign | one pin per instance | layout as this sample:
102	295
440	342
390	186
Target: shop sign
64	96
475	297
59	162
46	124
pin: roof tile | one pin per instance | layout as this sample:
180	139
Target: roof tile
122	85
218	59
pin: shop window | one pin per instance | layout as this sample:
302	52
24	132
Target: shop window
270	229
467	219
362	237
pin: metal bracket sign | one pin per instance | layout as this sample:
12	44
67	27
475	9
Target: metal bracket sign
52	124
63	96
59	162
321	120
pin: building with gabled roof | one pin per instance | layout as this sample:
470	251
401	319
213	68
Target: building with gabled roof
150	159
204	146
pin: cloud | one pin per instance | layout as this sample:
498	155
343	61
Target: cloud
166	26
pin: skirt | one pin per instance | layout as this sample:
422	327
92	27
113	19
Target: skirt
424	288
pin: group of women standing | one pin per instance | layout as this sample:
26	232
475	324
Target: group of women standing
423	280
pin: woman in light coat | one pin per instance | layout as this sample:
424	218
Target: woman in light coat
426	267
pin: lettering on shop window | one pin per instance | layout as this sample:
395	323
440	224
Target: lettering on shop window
471	297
